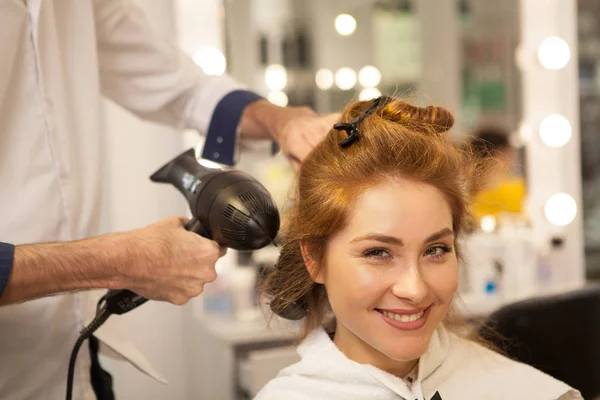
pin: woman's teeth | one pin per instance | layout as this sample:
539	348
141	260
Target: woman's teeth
403	317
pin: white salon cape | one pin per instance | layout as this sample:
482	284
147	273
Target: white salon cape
452	368
56	59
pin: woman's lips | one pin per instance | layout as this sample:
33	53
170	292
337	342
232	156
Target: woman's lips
406	320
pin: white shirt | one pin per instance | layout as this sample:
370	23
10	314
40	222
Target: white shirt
56	58
452	367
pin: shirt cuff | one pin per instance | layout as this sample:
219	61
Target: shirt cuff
221	138
7	256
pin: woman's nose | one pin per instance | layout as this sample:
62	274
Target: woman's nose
410	285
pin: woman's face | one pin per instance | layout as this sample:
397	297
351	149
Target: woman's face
391	273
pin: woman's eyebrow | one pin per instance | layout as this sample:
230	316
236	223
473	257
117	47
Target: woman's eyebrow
379	237
438	235
396	241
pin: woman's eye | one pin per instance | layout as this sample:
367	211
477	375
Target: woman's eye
438	251
377	253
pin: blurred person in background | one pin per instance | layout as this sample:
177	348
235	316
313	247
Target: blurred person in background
58	58
501	192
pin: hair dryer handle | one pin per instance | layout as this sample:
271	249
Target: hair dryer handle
195	226
122	301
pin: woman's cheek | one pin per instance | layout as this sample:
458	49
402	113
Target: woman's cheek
355	279
445	282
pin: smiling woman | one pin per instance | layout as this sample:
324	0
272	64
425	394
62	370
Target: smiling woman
371	242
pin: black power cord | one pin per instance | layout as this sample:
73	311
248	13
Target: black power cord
113	302
100	318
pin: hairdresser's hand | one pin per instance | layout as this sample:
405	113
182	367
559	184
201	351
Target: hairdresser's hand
165	262
302	132
297	130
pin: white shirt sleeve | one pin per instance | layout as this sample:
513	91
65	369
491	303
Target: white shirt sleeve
148	75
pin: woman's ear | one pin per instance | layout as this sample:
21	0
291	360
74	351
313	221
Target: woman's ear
309	255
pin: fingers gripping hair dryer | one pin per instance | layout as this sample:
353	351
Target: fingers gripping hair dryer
228	206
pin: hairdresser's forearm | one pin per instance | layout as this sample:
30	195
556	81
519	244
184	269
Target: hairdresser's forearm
45	269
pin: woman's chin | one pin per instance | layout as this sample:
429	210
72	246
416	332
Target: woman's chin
407	349
405	356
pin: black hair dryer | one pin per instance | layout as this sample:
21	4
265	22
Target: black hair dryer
228	206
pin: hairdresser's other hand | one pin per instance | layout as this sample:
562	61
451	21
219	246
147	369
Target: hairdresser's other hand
297	130
303	130
165	262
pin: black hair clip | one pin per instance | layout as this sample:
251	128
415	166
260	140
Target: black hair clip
351	127
351	131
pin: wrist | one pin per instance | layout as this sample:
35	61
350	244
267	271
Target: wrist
92	262
116	251
257	120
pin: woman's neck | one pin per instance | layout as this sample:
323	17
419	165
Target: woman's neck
358	351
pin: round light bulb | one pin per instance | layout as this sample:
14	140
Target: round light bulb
275	77
369	76
488	223
278	98
211	60
345	78
324	79
560	209
525	132
369	94
555	130
345	24
554	53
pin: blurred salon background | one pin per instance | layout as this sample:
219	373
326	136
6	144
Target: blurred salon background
522	78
